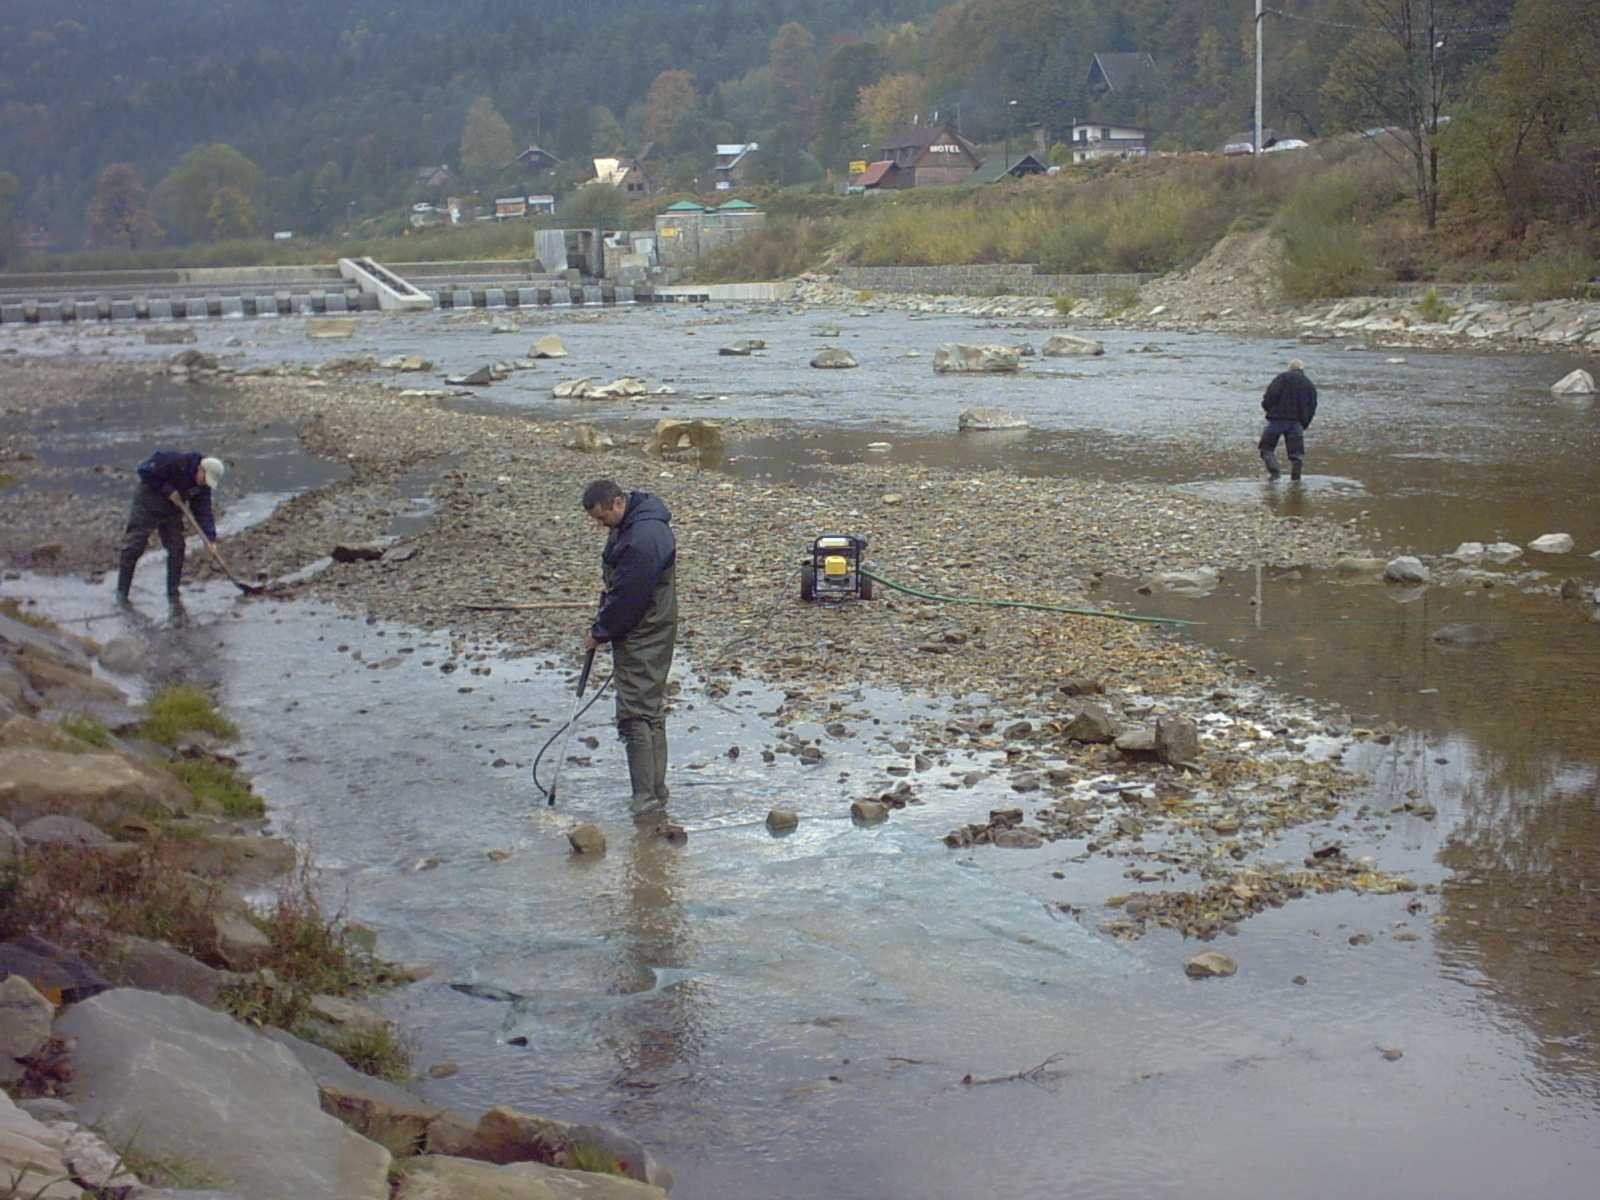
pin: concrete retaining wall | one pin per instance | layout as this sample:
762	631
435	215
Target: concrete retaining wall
988	279
728	291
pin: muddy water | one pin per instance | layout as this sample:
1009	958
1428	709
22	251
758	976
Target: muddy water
793	1017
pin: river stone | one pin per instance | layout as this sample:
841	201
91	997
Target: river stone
625	388
588	439
1467	552
1198	582
959	358
988	418
58	829
349	552
782	820
505	1135
1066	345
1552	543
25	1142
869	812
742	349
441	1177
1354	565
549	346
43	642
157	967
195	1084
240	942
25	1018
374	1108
1405	569
674	433
1177	741
1016	839
100	788
482	377
124	655
1209	964
833	357
1575	383
1136	743
1091	723
10	843
587	840
572	389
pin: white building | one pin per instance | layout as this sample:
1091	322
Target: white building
1099	139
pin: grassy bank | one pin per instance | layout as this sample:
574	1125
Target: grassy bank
1342	208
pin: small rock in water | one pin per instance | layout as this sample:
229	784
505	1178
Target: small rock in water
1575	383
1391	1053
1209	964
443	1070
782	820
869	812
1502	552
588	840
1552	543
1406	569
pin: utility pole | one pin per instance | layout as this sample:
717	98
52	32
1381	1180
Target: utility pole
1259	15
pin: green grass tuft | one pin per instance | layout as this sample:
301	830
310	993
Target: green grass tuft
210	779
13	609
174	711
86	729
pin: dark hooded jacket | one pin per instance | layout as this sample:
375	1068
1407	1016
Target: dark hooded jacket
1290	397
169	471
639	557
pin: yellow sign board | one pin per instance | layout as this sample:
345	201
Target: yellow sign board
858	167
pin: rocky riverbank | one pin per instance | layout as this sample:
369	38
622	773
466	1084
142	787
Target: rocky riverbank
161	1023
1234	290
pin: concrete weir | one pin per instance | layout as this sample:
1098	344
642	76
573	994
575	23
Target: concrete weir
352	285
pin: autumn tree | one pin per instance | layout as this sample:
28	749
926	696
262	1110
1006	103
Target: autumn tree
605	132
1400	69
487	144
846	71
890	104
669	110
230	214
185	196
119	214
792	55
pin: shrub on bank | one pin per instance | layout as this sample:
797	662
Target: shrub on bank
174	711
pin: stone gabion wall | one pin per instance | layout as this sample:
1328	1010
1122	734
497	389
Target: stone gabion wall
1016	279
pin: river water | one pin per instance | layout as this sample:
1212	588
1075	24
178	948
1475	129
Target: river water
793	1017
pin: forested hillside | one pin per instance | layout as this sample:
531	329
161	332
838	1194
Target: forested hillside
149	122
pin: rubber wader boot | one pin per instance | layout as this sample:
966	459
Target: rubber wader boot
1270	461
124	579
174	575
659	737
640	745
1295	468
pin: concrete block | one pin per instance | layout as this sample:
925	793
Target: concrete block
624	294
370	302
334	302
233	306
479	299
316	301
266	306
527	296
494	298
102	308
49	310
11	314
160	310
30	310
195	309
461	298
122	310
592	295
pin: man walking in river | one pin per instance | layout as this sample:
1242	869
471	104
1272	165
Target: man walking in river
638	618
1290	402
168	479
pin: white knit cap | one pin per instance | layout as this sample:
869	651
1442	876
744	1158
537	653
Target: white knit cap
213	470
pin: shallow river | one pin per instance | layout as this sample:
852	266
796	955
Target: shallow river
793	1017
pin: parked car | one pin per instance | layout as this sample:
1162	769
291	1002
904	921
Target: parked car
1286	144
1236	149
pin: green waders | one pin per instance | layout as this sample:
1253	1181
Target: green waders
641	662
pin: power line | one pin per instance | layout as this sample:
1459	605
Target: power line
1292	16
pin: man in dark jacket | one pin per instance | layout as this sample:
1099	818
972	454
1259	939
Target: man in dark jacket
166	479
1290	402
638	618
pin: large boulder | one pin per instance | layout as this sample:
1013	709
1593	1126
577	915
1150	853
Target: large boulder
100	788
157	967
1177	741
549	346
180	1080
957	358
1066	345
1405	569
588	439
673	434
1552	543
384	1112
441	1177
984	418
1575	383
625	388
1091	723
